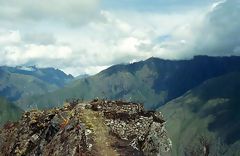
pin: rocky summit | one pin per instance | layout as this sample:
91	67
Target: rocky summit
99	127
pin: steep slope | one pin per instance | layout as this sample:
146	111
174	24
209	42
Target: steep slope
19	82
49	75
8	112
209	111
152	82
98	128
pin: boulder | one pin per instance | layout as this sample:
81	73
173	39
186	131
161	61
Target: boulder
94	128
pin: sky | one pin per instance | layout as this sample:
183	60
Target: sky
87	36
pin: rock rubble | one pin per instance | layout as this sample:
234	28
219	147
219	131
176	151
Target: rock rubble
95	128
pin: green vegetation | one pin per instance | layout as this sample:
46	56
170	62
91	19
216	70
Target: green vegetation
8	112
153	82
200	97
120	85
15	86
95	122
16	83
210	110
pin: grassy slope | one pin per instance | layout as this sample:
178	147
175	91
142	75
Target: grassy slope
120	85
16	83
152	82
8	112
95	122
22	85
212	109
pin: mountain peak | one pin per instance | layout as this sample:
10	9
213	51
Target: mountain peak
27	68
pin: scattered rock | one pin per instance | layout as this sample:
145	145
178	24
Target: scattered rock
99	127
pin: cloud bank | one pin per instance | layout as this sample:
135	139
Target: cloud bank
220	33
87	36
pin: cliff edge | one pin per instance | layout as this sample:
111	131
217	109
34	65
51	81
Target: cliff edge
94	128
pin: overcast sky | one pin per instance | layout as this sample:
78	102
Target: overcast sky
86	36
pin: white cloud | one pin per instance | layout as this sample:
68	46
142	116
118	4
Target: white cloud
68	11
110	40
39	38
41	52
40	33
219	32
32	53
9	37
216	4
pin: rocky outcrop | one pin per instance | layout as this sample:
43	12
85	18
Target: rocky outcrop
96	128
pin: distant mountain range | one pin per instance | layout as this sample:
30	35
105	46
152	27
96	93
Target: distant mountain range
19	82
153	82
199	98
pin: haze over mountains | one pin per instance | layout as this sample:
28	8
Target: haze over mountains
21	81
153	82
198	97
180	57
210	110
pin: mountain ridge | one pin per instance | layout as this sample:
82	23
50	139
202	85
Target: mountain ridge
18	82
152	82
209	110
